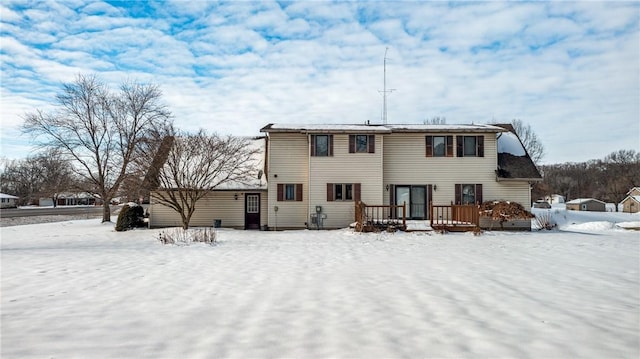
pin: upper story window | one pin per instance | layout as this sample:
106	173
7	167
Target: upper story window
362	143
470	146
322	145
439	146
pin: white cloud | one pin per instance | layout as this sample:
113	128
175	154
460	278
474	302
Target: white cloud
233	67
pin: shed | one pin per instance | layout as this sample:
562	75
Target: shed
586	204
631	204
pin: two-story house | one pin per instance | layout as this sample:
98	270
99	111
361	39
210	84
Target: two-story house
321	170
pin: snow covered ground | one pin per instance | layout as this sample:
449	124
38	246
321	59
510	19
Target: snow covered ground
80	289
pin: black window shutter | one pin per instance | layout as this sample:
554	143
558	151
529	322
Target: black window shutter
357	191
372	144
329	192
458	193
449	146
313	145
429	151
479	193
429	195
459	145
480	145
352	143
280	192
299	192
392	200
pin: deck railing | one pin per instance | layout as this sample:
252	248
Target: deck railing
454	216
373	217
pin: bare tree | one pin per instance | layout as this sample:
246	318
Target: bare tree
436	121
56	174
100	130
530	140
22	178
198	163
619	172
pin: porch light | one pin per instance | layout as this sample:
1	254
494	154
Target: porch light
387	188
235	196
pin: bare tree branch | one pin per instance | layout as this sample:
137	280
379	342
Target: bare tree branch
100	130
199	163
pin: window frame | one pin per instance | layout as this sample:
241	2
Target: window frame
282	192
314	145
462	147
430	146
369	145
343	192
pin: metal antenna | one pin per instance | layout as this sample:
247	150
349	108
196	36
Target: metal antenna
385	91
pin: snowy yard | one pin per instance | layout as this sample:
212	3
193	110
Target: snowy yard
80	289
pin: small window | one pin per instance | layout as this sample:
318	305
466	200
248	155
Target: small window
289	192
343	192
470	146
362	143
468	193
253	203
322	145
439	146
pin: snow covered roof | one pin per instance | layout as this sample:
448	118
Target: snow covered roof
634	198
258	182
4	195
583	200
371	128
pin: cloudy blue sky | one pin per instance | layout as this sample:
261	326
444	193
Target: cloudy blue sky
571	70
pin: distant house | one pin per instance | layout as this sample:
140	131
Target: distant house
8	201
554	198
586	204
631	203
70	199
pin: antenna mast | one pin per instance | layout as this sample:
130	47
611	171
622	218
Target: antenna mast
385	91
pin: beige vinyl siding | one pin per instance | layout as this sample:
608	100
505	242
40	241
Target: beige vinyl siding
405	163
288	164
216	205
344	167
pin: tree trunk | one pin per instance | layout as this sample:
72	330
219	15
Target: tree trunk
106	212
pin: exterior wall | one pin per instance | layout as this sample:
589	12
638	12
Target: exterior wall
405	163
8	203
627	205
344	167
288	164
591	206
216	205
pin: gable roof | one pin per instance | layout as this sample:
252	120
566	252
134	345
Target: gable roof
4	195
583	200
632	198
634	189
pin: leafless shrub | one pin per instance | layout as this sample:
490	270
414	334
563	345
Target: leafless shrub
543	221
187	236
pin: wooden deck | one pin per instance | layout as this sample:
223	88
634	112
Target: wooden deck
372	218
450	218
455	217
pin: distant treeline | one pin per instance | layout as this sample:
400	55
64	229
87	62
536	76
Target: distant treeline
607	179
